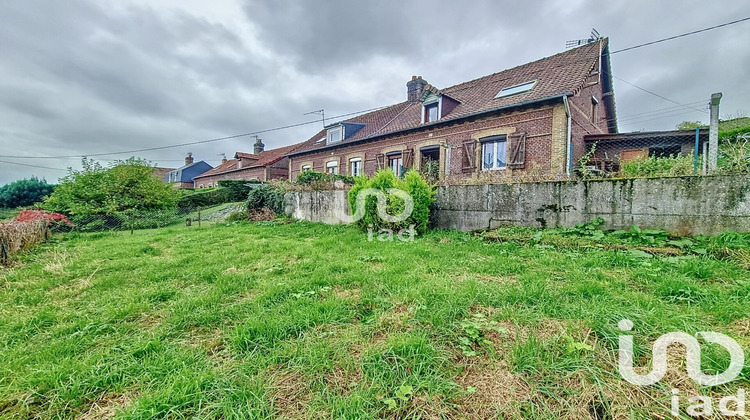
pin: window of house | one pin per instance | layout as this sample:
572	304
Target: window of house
513	90
332	167
355	166
335	134
306	168
493	152
395	162
431	112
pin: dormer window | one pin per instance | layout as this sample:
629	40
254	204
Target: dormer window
431	112
514	90
335	134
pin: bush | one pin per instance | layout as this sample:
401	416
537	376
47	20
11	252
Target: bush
313	177
124	185
24	192
238	216
238	190
422	194
206	198
266	196
658	167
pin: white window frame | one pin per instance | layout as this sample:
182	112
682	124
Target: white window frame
335	134
400	160
439	102
495	147
306	168
352	161
333	164
517	89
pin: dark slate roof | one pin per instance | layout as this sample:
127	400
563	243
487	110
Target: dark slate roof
561	74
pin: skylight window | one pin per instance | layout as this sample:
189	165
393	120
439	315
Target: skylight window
514	90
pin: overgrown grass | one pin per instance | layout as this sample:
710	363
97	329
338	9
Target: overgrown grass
295	320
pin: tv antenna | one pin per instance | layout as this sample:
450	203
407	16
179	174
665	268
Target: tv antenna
320	112
578	42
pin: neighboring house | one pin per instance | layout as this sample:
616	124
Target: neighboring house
261	165
159	173
530	119
611	150
183	177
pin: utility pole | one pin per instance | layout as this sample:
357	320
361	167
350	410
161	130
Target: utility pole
713	133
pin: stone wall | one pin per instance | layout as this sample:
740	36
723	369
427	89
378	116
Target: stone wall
682	206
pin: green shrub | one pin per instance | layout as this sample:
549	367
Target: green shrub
308	177
420	191
238	190
312	177
238	216
124	185
266	196
206	198
24	192
658	167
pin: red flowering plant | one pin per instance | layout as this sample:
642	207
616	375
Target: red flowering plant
51	219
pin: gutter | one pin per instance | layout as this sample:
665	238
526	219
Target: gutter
569	145
437	123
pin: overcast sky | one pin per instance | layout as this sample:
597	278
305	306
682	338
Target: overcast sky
83	77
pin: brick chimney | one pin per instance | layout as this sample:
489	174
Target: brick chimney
415	88
258	147
189	159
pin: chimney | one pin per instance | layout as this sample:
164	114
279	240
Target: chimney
415	88
223	158
258	147
189	159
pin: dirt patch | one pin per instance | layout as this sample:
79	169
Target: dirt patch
290	396
107	406
741	327
343	381
491	390
348	294
210	341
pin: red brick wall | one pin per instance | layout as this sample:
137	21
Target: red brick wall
536	122
582	125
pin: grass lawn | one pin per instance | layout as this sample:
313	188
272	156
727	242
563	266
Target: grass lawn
299	320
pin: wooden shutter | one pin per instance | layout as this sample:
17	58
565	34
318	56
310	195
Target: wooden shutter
517	148
408	158
380	158
469	156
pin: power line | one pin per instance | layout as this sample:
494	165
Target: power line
149	149
33	166
680	35
659	96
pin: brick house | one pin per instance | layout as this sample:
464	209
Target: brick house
528	120
261	165
183	176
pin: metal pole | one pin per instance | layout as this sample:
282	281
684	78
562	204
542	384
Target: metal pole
713	133
695	150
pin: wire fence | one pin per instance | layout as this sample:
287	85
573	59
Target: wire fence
670	153
136	220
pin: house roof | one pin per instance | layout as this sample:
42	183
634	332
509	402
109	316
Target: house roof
555	76
160	172
681	135
265	158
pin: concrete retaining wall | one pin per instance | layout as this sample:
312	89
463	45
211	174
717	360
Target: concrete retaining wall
317	206
682	206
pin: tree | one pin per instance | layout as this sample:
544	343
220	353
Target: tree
124	185
24	192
